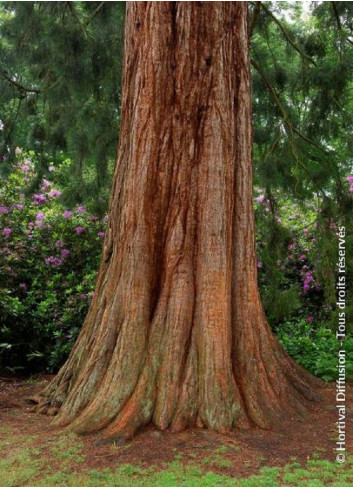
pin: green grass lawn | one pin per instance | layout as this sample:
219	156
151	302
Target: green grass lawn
26	461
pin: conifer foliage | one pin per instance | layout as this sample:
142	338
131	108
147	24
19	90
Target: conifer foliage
60	85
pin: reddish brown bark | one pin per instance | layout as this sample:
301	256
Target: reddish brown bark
176	333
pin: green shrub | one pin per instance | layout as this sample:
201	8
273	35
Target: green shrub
315	348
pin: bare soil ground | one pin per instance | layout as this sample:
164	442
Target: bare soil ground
248	451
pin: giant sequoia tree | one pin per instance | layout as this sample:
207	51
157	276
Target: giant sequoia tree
176	333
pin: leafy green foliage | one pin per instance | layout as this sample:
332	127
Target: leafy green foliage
315	348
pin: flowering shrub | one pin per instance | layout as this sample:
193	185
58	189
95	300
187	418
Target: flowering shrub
297	249
297	253
49	258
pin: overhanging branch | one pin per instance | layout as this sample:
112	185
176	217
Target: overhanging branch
17	84
255	16
96	11
286	35
338	20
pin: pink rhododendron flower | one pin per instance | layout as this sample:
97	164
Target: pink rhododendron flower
39	199
6	232
81	209
79	230
65	252
260	198
25	168
45	185
59	243
54	193
101	234
309	319
67	214
19	207
350	180
51	168
54	261
3	210
308	278
40	216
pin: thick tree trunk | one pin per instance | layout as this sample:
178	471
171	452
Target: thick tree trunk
176	333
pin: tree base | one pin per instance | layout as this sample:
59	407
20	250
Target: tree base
281	392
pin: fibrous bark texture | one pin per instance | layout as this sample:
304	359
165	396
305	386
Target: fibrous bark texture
176	334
